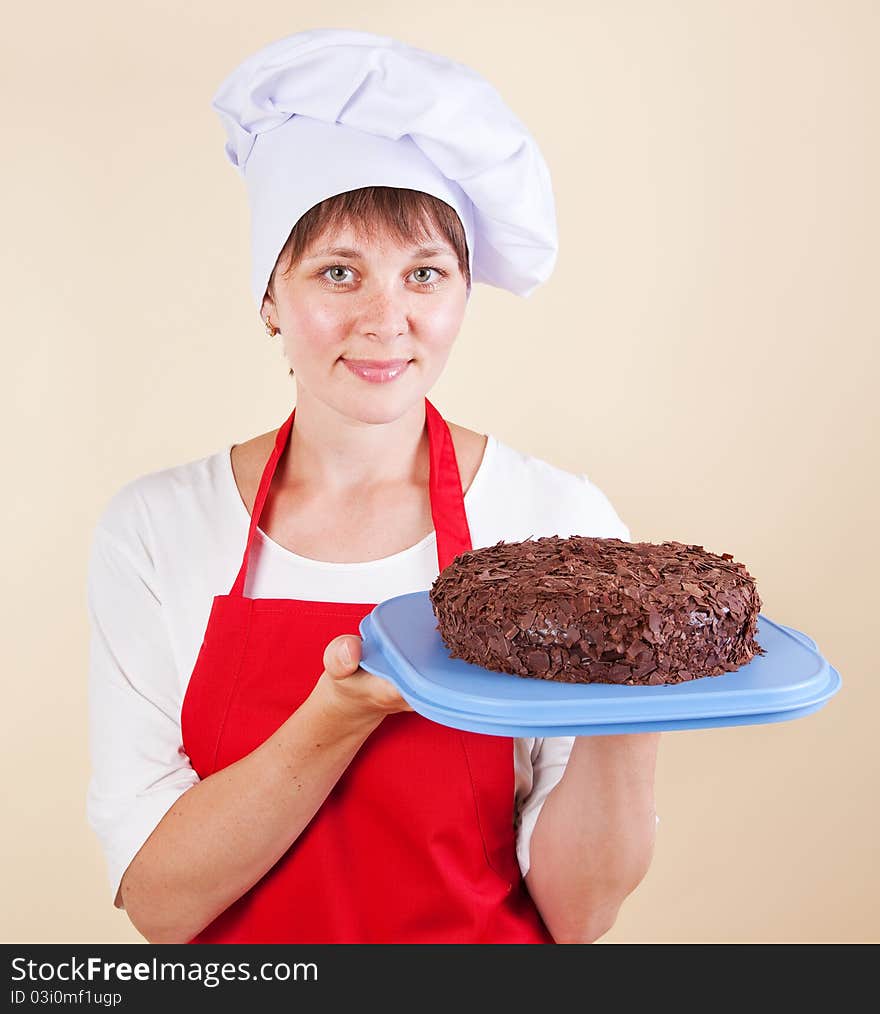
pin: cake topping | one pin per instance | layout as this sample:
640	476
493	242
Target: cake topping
593	610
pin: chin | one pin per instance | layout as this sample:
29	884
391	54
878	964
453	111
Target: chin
381	405
383	408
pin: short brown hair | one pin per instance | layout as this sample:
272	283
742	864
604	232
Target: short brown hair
407	214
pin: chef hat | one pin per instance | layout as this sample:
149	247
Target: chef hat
326	111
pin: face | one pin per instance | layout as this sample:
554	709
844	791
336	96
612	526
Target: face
368	324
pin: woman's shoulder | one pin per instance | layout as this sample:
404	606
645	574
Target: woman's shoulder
544	498
511	465
167	494
470	450
248	459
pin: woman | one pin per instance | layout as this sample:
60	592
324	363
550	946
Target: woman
251	783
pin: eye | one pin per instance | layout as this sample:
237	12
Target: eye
427	283
336	276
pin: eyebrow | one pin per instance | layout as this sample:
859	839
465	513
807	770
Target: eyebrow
345	251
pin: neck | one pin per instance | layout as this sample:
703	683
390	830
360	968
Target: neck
335	453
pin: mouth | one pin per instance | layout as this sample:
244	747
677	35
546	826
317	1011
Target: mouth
377	371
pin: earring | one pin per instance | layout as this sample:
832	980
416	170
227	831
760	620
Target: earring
270	330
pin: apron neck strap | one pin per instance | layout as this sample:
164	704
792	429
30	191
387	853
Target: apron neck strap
447	498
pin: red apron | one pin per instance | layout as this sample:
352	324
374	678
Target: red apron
415	843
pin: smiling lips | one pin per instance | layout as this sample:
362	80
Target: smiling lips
377	371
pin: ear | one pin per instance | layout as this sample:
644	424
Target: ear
267	307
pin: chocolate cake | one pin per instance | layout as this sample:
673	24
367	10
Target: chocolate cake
585	610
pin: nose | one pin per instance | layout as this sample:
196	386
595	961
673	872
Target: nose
383	315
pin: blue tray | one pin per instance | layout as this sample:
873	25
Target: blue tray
401	643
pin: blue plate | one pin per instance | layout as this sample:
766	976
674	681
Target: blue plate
401	643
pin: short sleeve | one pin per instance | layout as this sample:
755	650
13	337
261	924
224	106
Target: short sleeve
138	764
604	520
549	757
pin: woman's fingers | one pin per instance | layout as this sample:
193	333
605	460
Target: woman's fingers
342	655
342	658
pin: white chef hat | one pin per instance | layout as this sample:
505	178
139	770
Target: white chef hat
326	111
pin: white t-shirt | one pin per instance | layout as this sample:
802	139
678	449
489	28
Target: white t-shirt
168	542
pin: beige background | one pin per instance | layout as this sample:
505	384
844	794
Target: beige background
706	352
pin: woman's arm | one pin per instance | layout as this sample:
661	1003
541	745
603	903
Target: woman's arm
223	834
594	839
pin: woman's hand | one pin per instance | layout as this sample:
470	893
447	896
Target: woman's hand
358	694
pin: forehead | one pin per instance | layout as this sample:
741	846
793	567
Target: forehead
347	241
